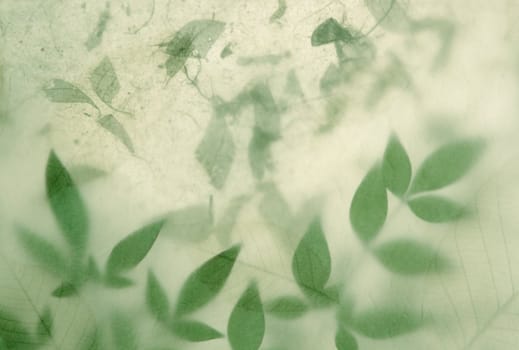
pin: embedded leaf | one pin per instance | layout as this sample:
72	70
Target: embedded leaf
330	31
246	326
192	223
113	126
408	257
225	225
276	212
266	112
260	158
65	289
42	251
61	91
396	167
311	264
368	208
206	281
129	252
344	340
435	209
117	282
389	14
195	37
44	328
104	81
280	11
66	203
216	152
287	307
194	331
386	323
447	165
156	298
123	332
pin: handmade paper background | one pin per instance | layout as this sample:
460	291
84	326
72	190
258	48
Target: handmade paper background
243	130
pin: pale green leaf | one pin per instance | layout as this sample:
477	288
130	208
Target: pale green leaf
396	167
225	225
104	81
61	91
260	158
195	37
113	126
192	223
435	209
386	322
330	31
389	14
280	11
267	117
287	307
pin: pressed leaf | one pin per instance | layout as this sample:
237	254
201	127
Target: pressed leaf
192	223
344	340
408	257
194	331
104	81
216	151
246	326
386	322
389	14
447	165
311	264
260	158
330	31
123	332
434	208
195	37
396	167
66	203
129	252
65	289
113	126
368	208
267	117
156	298
287	307
44	328
61	91
206	281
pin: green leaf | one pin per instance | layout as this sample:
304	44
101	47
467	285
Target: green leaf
206	281
311	263
260	158
246	326
396	167
65	289
13	331
123	332
326	297
368	208
194	331
129	252
156	298
61	91
117	282
447	165
386	323
266	112
45	324
192	223
408	257
344	340
113	126
216	152
330	31
174	64
280	11
42	251
195	37
104	81
435	209
389	14
287	307
66	203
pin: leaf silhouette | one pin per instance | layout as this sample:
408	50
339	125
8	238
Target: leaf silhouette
192	223
156	298
123	332
197	35
368	208
194	331
104	81
386	323
344	340
113	126
389	14
61	91
246	326
330	31
66	203
435	209
130	251
216	152
287	307
396	167
447	165
409	257
206	281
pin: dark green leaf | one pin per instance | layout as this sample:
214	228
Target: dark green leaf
129	252
408	257
104	81
311	264
446	165
65	289
344	340
246	326
280	11
192	223
433	208
66	203
330	31
42	251
123	332
206	281
13	331
194	331
389	14
196	37
287	307
156	298
386	323
368	209
61	91
45	324
396	167
266	112
216	151
260	158
113	126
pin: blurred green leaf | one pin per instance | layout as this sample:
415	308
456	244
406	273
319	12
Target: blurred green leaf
117	282
206	281
112	125
93	272
287	307
267	118
408	257
344	340
368	208
276	212
386	322
61	91
396	167
280	11
156	298
447	165
45	325
192	223
123	332
66	203
330	31
194	331
260	158
65	289
389	14
104	81
13	331
435	209
246	326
